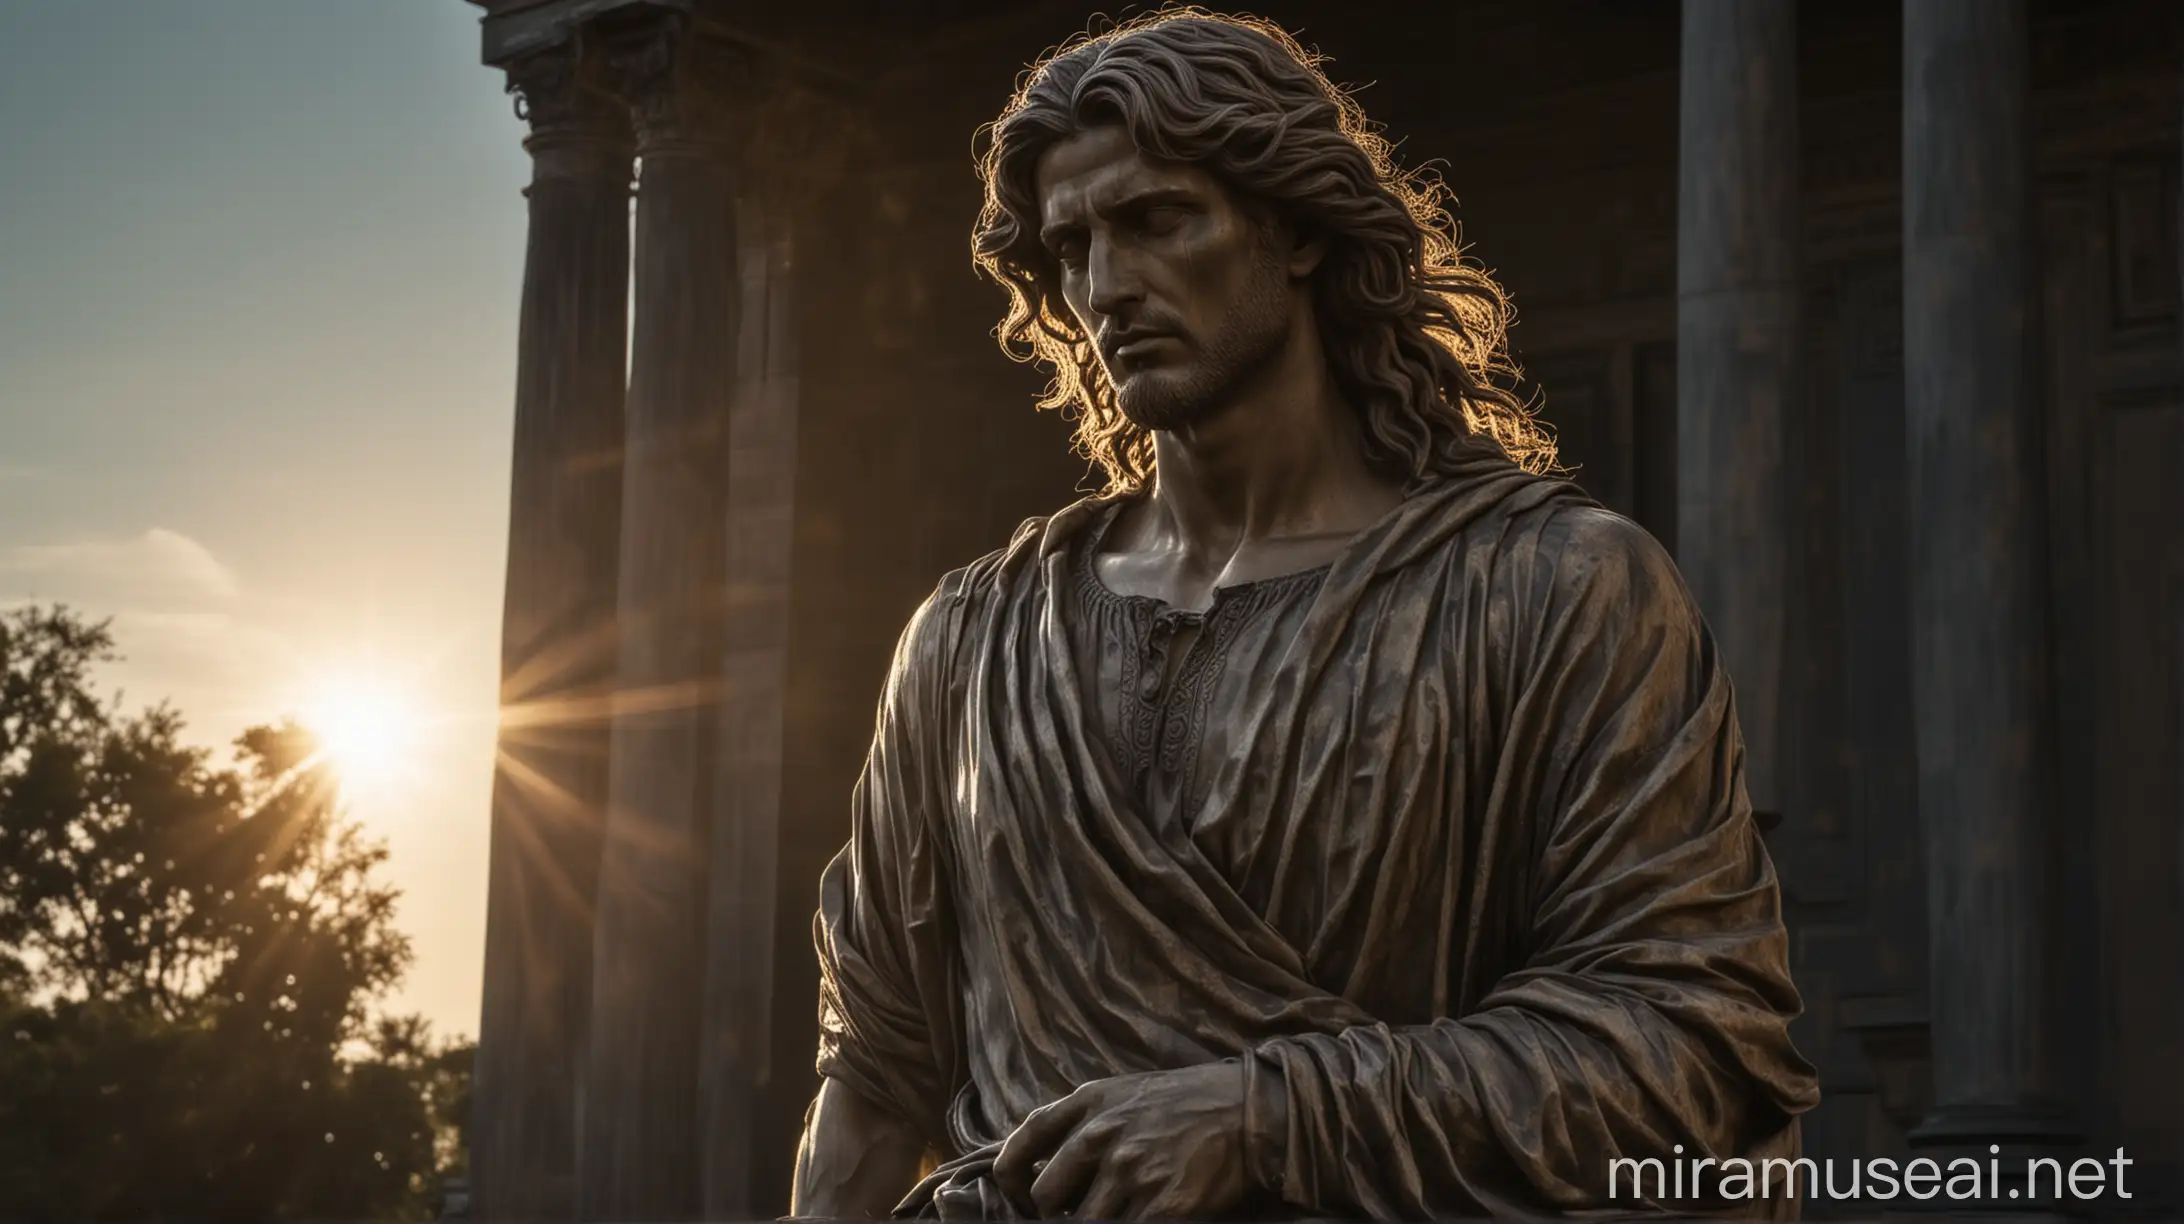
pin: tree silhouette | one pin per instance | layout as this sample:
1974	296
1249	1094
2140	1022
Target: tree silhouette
190	955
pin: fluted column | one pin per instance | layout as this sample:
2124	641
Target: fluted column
1979	633
557	641
739	1052
1736	344
641	1138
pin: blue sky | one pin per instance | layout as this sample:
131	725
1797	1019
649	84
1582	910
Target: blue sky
259	262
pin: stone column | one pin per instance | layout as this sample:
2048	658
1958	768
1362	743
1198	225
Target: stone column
1979	631
2179	220
1736	344
641	1138
557	641
738	1049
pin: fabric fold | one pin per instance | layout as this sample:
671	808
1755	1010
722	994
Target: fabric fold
1464	865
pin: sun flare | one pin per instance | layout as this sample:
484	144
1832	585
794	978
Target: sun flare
366	729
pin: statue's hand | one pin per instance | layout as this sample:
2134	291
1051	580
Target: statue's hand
1160	1145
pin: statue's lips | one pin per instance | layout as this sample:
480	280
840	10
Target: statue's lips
1138	346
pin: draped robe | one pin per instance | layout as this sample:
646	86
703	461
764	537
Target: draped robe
1471	887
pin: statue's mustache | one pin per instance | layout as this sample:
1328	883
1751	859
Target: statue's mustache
1113	339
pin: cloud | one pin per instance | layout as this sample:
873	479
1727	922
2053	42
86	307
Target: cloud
159	570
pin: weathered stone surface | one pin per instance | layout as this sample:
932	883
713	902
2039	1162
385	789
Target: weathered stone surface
1736	344
557	639
1979	646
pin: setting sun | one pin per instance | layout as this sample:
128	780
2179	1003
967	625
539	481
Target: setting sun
366	730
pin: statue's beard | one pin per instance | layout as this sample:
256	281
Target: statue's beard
1251	338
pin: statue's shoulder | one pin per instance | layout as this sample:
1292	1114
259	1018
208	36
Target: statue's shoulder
1573	559
938	628
1007	568
1578	532
1565	580
971	585
1593	546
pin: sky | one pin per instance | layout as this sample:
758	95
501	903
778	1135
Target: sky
259	265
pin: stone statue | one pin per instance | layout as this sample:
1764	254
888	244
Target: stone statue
1339	815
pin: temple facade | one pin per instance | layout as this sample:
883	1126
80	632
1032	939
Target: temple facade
1870	311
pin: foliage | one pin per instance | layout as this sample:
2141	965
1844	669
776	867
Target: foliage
190	955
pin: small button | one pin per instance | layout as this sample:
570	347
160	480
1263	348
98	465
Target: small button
1149	679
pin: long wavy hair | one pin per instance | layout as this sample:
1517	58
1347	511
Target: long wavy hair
1416	333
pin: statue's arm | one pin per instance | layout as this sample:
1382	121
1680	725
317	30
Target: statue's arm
856	1159
886	956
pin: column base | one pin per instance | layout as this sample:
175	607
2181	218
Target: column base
2001	1142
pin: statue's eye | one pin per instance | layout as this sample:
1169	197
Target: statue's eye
1163	219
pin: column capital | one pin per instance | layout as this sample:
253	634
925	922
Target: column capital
676	84
578	129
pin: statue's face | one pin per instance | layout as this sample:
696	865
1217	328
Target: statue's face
1185	294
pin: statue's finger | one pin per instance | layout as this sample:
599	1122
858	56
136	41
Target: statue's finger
1063	1177
1031	1143
1109	1195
